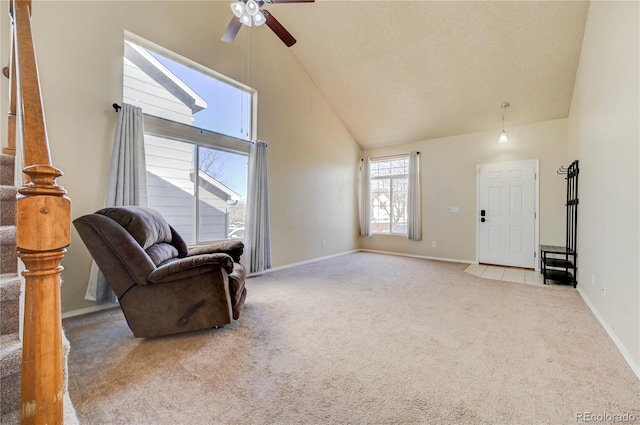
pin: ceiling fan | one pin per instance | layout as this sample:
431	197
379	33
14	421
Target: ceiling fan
249	12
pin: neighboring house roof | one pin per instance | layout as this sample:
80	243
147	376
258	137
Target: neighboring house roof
156	70
217	188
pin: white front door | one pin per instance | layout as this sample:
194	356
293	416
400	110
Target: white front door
507	214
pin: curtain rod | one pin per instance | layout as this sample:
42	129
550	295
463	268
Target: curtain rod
389	156
117	108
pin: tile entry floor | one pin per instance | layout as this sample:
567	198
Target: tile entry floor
511	274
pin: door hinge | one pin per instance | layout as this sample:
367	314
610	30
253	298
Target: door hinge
535	214
535	176
535	254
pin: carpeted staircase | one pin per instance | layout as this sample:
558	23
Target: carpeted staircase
10	345
10	283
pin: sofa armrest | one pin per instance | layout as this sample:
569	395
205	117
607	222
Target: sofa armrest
187	267
232	248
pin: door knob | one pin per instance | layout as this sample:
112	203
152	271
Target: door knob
483	219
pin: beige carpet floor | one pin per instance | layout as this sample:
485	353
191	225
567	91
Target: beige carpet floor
361	338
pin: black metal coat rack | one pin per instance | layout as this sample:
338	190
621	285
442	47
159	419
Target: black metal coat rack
559	263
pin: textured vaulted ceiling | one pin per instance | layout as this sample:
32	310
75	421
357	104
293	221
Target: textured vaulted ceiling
405	71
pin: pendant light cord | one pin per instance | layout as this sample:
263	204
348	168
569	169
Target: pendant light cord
504	107
245	75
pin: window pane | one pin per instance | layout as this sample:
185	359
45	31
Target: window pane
380	205
399	210
170	185
197	179
399	167
165	88
379	168
389	189
222	194
227	107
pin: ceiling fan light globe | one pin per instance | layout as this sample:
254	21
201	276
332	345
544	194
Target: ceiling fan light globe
245	19
259	19
237	8
252	7
503	137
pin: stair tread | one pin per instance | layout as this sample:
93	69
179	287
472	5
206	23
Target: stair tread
9	287
8	191
7	235
8	277
7	172
10	354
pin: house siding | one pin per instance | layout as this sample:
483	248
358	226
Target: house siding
141	90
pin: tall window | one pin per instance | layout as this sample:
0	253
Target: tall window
198	125
389	190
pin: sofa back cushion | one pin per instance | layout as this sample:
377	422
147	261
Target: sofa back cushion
145	225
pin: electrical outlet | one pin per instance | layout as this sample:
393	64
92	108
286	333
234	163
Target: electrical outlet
324	244
433	244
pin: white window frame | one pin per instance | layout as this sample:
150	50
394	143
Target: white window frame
391	178
166	128
253	93
198	137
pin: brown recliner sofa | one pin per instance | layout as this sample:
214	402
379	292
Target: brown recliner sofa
162	286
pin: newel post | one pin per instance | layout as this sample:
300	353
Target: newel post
43	233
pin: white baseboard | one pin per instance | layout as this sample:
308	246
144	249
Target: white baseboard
96	308
313	260
621	347
88	310
424	257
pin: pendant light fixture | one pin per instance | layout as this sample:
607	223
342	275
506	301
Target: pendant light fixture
503	136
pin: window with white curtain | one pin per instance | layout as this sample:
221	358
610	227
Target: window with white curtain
198	127
389	186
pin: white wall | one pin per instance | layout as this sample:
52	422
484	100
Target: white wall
449	180
604	136
311	154
4	61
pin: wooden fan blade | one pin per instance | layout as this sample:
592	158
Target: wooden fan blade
232	30
278	29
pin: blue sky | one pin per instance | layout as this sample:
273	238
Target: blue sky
226	113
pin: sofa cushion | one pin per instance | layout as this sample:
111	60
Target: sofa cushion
145	225
161	252
182	268
236	282
233	248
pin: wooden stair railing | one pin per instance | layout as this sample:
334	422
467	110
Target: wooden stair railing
43	223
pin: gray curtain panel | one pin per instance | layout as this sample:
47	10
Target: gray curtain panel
127	184
414	227
364	197
258	238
